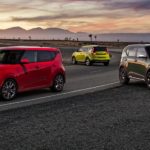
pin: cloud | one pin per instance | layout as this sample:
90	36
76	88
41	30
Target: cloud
44	18
65	16
136	5
75	14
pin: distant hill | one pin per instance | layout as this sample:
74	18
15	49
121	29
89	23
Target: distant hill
36	33
61	34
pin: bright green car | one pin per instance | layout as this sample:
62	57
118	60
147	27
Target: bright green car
92	54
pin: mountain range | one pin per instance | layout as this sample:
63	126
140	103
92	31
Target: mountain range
61	34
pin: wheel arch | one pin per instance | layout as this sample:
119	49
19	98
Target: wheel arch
59	73
53	87
11	78
88	57
148	70
122	66
73	57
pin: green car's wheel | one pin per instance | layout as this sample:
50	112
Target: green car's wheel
123	76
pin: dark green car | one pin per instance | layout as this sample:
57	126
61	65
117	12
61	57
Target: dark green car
135	63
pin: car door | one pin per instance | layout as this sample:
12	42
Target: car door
141	62
131	59
46	64
84	54
30	76
79	55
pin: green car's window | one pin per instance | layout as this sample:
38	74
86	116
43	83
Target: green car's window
141	52
148	50
132	52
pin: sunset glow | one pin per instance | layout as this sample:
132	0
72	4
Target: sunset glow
97	16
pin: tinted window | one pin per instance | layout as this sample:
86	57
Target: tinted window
132	52
10	56
30	55
148	50
141	52
100	49
45	55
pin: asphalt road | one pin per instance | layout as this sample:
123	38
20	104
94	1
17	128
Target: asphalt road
80	79
116	118
112	119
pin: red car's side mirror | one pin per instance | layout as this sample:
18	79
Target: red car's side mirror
25	61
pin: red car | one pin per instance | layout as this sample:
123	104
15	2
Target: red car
24	68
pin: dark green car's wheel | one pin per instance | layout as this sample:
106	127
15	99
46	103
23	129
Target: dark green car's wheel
123	76
58	83
87	62
148	79
9	89
74	61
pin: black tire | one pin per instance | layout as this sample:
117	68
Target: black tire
148	79
106	63
87	62
58	83
74	61
9	89
123	76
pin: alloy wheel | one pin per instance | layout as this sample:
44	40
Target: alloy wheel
123	76
58	83
87	62
9	89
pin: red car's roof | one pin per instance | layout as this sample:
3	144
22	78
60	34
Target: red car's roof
28	48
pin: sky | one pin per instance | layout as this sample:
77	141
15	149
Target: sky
95	16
